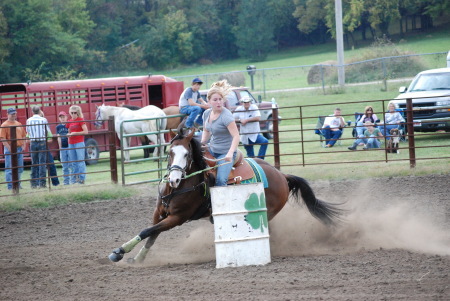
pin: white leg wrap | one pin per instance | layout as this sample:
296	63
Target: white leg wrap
141	255
128	246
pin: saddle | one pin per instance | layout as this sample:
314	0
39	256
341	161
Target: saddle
241	169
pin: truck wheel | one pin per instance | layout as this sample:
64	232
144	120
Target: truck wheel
92	151
269	129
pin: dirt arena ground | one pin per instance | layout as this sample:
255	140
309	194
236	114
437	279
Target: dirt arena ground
394	245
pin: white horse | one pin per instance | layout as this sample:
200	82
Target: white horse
120	114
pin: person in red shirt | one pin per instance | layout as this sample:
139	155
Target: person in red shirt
77	130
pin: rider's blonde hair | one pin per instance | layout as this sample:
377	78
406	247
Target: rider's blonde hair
221	87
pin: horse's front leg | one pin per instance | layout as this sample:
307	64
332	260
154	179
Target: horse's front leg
150	233
126	144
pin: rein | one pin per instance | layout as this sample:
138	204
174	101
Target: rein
185	176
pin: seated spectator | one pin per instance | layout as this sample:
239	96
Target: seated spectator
192	104
370	139
332	127
392	119
368	115
248	114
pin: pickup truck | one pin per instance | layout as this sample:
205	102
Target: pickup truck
265	108
430	94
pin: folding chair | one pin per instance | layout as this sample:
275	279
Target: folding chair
357	118
319	131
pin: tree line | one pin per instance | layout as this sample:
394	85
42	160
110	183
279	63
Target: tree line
66	39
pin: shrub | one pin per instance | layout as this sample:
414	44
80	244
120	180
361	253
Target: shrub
372	67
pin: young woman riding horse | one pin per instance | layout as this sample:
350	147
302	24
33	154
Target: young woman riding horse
183	194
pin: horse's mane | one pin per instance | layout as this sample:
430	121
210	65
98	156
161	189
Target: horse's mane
197	154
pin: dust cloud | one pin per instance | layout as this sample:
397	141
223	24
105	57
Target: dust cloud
372	222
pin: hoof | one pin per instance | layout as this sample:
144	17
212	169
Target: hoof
116	255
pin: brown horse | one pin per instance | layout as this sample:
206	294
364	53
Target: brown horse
174	122
183	196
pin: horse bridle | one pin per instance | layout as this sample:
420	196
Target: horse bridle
171	167
98	115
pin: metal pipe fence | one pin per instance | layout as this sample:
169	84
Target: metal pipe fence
49	164
299	145
294	143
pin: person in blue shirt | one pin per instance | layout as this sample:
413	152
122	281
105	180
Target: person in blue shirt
63	143
192	104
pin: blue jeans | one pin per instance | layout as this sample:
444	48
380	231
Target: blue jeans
386	130
223	171
262	148
64	157
8	170
192	112
38	156
371	142
52	169
331	136
360	129
76	153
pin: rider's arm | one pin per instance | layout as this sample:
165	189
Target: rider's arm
232	128
205	136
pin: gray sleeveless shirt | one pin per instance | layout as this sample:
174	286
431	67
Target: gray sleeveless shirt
221	138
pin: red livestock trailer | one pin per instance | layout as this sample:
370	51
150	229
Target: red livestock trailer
57	96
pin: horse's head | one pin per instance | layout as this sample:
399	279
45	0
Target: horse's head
98	123
180	157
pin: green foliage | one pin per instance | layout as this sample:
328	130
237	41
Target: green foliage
38	36
168	41
254	32
63	73
128	58
311	17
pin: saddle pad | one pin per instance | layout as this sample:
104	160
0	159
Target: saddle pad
260	175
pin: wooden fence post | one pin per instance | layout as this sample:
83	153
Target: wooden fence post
410	127
112	150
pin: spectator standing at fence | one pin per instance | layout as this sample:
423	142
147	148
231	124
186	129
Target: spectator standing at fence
37	128
77	129
392	120
332	127
370	139
220	126
63	143
5	136
50	160
192	104
368	115
248	115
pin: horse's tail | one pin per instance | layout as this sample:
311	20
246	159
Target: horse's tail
325	212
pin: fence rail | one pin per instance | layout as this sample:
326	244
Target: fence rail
294	144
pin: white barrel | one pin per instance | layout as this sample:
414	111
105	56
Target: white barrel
241	228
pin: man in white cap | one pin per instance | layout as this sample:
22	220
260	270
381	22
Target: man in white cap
192	104
248	115
5	136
